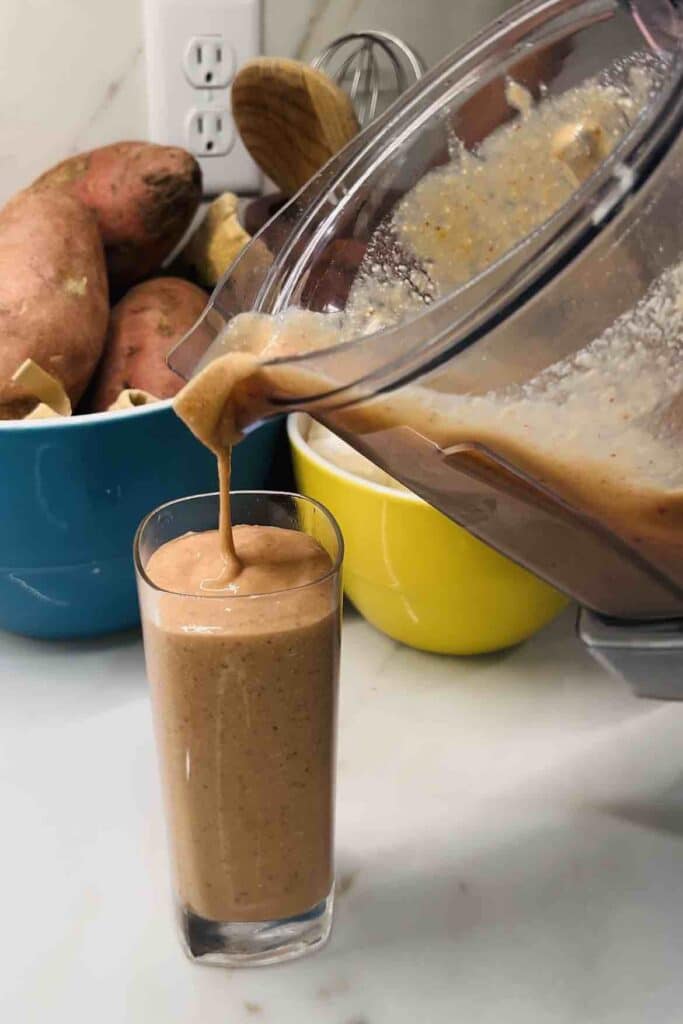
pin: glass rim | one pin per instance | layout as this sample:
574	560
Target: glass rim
223	595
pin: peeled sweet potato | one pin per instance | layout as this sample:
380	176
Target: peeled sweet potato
216	243
144	326
143	195
54	301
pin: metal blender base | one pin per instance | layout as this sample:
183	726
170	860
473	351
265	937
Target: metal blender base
647	655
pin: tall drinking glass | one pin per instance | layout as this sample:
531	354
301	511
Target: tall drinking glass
244	693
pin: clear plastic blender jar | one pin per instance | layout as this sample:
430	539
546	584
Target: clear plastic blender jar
534	396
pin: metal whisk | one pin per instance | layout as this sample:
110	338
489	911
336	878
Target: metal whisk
358	61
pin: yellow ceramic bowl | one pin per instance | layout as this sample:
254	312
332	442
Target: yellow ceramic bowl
413	573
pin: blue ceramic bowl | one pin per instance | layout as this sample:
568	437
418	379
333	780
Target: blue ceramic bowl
72	493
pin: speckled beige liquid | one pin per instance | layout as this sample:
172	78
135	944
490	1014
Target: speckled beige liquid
244	697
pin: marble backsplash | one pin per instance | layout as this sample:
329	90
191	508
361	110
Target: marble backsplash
72	71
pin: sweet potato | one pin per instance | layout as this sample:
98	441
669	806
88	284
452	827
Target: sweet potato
144	326
143	195
54	302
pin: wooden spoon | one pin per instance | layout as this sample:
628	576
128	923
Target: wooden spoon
291	117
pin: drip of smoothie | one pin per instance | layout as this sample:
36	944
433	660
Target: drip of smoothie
213	422
231	565
209	406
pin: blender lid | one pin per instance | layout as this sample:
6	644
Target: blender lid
351	195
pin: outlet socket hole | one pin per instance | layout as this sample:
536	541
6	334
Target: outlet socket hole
209	146
208	77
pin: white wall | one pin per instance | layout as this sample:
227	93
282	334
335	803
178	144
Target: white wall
72	72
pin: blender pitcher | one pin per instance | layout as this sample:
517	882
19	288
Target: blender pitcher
537	401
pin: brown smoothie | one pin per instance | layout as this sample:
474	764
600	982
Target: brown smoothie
243	682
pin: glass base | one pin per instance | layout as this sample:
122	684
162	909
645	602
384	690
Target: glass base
251	944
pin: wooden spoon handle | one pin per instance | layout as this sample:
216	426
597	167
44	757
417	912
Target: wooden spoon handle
291	117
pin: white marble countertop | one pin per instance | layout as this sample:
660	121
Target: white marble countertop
510	847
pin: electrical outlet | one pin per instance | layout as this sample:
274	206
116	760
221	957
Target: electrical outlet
209	62
210	132
193	49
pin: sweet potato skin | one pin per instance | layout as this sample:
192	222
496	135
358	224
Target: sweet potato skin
54	302
144	326
143	195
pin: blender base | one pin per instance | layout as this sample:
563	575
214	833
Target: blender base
646	655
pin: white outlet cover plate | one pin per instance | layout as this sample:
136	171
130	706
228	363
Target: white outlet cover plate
172	27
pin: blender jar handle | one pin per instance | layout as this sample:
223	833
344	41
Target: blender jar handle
661	22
